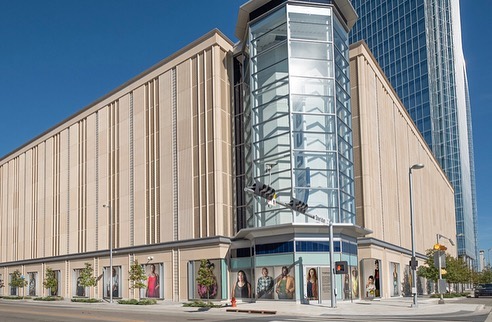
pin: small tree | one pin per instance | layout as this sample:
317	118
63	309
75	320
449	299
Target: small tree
86	277
457	270
137	277
482	277
207	282
51	281
429	271
18	280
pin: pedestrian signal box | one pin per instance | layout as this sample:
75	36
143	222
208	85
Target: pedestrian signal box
341	267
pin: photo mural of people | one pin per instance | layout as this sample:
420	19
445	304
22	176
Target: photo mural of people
346	286
371	277
80	291
312	284
2	284
285	286
355	281
241	288
115	276
264	285
32	283
395	279
370	287
153	281
77	288
376	278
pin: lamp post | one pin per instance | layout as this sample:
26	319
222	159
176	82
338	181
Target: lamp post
110	252
438	236
413	262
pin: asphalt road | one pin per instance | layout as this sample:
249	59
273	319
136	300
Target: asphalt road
52	312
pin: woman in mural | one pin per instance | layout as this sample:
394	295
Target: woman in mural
115	290
242	288
355	282
285	285
32	284
376	278
312	284
153	283
395	280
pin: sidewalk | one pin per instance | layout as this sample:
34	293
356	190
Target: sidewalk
394	306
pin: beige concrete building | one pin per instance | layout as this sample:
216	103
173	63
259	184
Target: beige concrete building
155	172
156	150
386	144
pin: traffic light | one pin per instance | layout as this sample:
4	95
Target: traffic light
263	190
298	205
413	263
440	247
341	267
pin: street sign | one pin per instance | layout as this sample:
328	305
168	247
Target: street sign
440	256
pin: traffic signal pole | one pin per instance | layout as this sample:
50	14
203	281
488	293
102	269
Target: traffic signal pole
300	207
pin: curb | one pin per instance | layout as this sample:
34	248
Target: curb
252	311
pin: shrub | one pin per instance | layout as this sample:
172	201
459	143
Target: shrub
14	297
49	298
86	300
201	304
138	302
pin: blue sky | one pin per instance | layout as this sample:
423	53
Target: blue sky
58	56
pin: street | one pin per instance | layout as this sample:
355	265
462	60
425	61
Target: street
54	312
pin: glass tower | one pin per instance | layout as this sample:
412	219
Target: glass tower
418	45
292	113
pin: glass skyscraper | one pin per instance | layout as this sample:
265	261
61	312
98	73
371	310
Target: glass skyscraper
418	45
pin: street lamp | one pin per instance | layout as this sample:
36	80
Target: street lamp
110	252
413	262
438	236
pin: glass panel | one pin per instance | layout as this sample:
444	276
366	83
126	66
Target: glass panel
311	86
269	40
271	93
309	31
271	74
277	54
317	178
345	132
273	108
315	123
317	141
265	25
323	197
309	15
273	127
310	50
313	104
315	160
272	146
311	68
